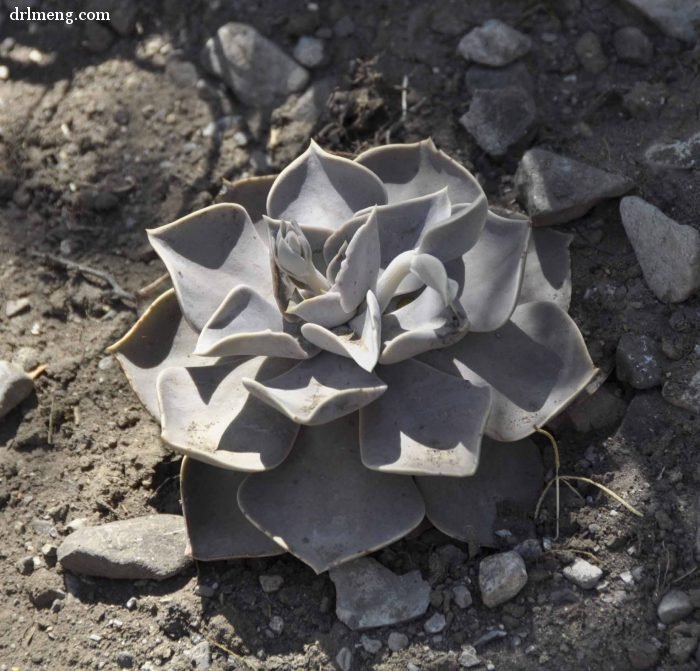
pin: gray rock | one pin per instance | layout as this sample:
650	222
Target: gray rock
144	548
8	184
674	606
501	577
482	77
310	51
397	641
15	386
499	119
681	154
435	623
494	43
44	587
682	386
276	624
370	595
462	596
590	54
125	660
258	72
270	583
633	46
181	73
344	659
643	655
638	361
468	657
555	189
583	574
370	645
26	358
200	656
668	252
16	306
122	14
677	18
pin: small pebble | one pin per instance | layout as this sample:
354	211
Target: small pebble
270	583
371	645
583	574
435	623
276	624
397	641
674	606
344	659
468	658
462	596
16	306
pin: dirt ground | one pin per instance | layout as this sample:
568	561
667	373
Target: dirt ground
102	136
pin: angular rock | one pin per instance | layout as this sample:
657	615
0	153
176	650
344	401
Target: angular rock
310	51
682	646
370	595
683	154
501	577
15	386
677	18
494	43
16	306
371	645
258	72
462	596
344	659
583	574
645	100
633	46
270	583
44	587
643	655
668	252
144	548
638	361
674	606
468	658
498	119
555	189
590	54
682	386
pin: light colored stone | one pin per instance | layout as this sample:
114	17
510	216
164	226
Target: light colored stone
468	657
677	18
494	43
270	583
15	386
310	51
501	577
674	606
258	72
370	595
555	189
397	641
668	252
16	306
344	659
144	548
498	119
462	596
583	574
681	154
371	645
435	623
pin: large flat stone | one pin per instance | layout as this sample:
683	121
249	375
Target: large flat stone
555	189
370	595
258	72
677	18
668	252
144	548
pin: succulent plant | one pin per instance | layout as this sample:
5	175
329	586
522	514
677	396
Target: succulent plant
349	347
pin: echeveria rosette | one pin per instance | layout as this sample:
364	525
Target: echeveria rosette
349	347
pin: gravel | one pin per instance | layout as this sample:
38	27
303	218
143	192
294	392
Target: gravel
494	43
639	361
633	46
583	574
